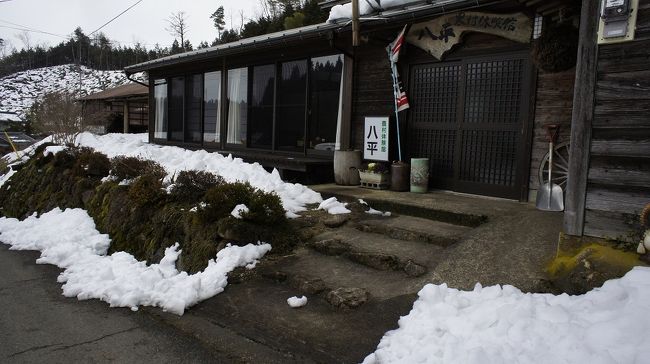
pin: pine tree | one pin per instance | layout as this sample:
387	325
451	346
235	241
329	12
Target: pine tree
219	22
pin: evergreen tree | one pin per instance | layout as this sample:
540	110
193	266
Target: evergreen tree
218	19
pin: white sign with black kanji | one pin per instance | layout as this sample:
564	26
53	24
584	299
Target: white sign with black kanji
375	136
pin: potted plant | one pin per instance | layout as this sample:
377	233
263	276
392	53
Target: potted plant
374	175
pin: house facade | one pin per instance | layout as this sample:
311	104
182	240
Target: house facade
121	109
480	85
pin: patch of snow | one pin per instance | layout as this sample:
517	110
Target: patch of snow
69	240
294	196
333	206
239	210
5	177
372	211
53	149
367	7
361	201
296	302
503	325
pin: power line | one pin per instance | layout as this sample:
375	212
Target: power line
117	16
28	29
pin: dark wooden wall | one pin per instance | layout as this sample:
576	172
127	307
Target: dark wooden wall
619	172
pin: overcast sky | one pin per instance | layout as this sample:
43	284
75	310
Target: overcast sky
144	23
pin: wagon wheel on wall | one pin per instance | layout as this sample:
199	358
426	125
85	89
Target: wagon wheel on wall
560	166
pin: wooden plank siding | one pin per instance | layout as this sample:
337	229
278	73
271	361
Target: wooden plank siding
554	104
619	173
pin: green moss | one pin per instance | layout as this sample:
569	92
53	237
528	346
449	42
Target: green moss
565	262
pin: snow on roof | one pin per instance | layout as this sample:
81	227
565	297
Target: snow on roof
9	116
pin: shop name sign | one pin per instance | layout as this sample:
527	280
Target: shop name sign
439	35
375	136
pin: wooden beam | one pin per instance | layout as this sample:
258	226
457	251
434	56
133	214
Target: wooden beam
126	117
581	122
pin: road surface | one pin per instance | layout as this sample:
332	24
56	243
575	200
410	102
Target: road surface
39	325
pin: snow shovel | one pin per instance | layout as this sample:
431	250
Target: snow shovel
550	196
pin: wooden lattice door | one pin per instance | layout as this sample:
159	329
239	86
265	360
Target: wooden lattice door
470	118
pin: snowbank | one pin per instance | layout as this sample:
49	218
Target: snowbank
503	325
69	240
174	159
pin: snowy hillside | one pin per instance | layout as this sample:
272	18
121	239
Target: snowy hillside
19	90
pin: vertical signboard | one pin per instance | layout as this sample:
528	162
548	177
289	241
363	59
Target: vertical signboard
375	136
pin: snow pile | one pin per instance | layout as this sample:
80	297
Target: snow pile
296	302
18	91
239	210
333	206
503	325
174	159
69	240
372	211
344	11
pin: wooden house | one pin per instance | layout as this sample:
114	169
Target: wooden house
481	89
121	109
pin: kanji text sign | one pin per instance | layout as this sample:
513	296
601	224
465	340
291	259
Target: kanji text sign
375	136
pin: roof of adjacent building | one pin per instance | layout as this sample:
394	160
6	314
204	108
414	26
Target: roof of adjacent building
17	138
9	116
124	91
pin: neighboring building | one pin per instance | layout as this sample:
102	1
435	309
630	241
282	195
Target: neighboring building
9	120
19	140
121	109
284	99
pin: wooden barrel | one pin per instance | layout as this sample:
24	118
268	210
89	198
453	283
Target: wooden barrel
346	167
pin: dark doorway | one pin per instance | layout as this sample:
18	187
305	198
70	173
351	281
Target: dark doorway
470	117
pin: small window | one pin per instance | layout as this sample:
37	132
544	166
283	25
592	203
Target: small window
260	130
237	106
211	107
176	110
193	105
160	99
538	26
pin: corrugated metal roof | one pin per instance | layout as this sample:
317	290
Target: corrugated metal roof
130	89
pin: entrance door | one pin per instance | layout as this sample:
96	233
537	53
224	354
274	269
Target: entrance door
470	118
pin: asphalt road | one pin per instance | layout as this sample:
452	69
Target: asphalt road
38	324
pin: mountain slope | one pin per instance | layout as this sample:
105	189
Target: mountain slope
18	91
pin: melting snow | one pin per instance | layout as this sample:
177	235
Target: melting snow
69	240
503	325
296	302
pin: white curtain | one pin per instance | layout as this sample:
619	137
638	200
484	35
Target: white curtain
160	95
237	94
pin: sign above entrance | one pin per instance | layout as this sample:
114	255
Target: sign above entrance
375	136
439	35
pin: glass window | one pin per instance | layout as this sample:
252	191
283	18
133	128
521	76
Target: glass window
260	129
325	78
211	106
291	105
193	105
237	106
176	99
160	99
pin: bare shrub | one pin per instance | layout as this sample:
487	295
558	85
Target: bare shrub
58	114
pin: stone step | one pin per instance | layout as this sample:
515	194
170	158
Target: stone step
313	273
414	229
379	251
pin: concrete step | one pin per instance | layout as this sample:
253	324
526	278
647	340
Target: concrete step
314	273
414	229
379	251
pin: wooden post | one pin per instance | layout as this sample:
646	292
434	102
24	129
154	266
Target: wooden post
126	117
355	23
583	115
